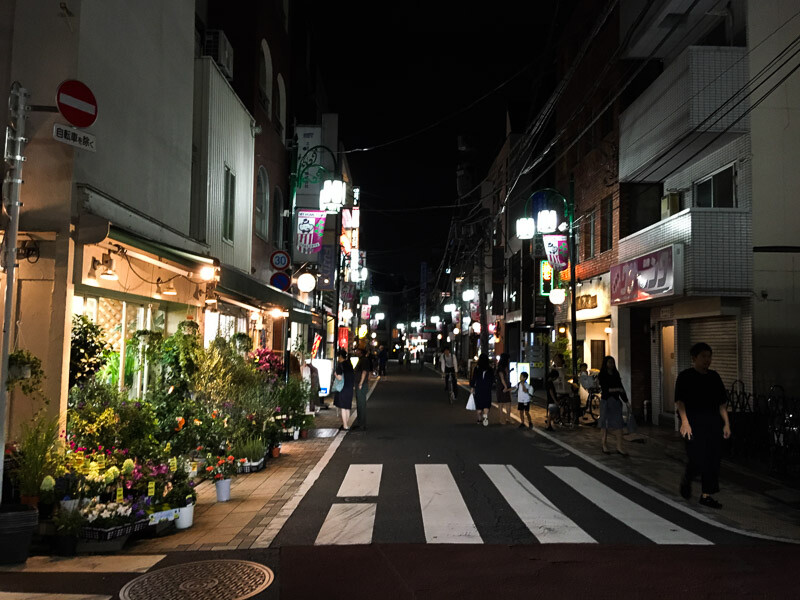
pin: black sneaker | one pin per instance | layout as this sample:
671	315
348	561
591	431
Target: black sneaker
686	488
709	502
522	427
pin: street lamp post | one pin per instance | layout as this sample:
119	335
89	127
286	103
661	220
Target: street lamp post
308	169
527	227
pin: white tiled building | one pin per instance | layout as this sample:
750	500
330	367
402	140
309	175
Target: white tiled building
725	161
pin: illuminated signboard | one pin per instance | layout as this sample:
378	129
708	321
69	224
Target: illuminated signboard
545	278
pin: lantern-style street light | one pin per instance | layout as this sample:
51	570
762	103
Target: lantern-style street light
547	202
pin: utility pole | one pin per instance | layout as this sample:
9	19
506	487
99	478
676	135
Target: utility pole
13	181
483	305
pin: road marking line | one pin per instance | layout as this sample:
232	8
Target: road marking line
631	514
361	480
47	596
545	521
445	516
347	524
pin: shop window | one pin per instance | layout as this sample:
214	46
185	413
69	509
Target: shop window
716	191
228	205
262	204
588	235
607	224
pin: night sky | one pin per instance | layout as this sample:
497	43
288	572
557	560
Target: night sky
390	72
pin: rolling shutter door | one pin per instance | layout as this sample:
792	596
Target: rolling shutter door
722	335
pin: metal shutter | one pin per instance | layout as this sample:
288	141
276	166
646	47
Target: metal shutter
722	335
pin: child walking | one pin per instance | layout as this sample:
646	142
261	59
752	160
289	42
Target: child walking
524	392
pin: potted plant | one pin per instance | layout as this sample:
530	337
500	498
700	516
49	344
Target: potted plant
24	369
66	490
305	424
35	457
106	520
68	524
220	470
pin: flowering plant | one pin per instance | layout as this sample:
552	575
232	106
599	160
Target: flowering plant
268	362
107	515
221	467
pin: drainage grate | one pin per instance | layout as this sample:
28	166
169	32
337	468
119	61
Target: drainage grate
205	579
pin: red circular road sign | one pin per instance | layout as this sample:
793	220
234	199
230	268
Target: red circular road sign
280	260
76	103
282	281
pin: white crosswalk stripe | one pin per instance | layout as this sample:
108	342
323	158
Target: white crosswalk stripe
446	519
618	506
361	481
445	516
347	524
541	517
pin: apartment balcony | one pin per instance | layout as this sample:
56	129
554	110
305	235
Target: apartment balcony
717	246
695	107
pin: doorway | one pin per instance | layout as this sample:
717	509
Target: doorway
668	374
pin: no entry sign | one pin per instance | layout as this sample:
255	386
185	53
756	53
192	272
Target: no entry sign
76	103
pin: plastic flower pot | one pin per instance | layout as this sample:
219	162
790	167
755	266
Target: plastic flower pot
186	514
70	505
223	490
276	451
303	434
17	524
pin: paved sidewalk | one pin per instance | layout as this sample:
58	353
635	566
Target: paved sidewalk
260	502
752	502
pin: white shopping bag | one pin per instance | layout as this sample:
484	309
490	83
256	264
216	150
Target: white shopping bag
471	402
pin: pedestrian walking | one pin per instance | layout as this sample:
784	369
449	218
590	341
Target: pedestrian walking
361	378
343	399
612	395
524	392
311	377
383	358
552	399
481	388
701	402
504	388
407	359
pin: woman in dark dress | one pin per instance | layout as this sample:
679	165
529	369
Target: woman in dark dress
481	388
343	399
611	398
504	387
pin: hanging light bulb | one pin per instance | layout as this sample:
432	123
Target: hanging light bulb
557	296
526	228
169	290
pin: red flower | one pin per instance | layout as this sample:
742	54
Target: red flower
218	476
209	469
242	460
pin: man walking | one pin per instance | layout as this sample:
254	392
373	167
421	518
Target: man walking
362	387
702	405
383	358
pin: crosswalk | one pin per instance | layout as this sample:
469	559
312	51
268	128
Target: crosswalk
447	519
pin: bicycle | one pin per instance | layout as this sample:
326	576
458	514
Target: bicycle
565	410
592	406
451	394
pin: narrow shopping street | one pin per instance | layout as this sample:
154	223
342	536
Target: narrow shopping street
419	503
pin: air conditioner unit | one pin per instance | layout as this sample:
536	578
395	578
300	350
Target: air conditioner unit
670	204
219	48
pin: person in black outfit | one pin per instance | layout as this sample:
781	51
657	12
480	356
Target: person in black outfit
361	378
383	358
343	399
481	388
611	398
702	405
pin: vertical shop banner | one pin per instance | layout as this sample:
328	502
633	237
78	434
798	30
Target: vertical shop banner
556	248
310	227
315	345
366	309
327	268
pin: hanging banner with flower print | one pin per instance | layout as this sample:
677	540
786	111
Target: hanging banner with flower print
556	248
310	228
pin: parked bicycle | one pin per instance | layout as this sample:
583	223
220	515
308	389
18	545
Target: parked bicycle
592	406
451	390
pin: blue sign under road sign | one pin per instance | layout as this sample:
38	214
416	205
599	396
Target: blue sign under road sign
281	281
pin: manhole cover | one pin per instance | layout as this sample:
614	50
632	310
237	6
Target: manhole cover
205	579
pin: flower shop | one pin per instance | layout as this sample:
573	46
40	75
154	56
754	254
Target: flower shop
139	437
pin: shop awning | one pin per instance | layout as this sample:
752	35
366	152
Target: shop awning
182	257
233	281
